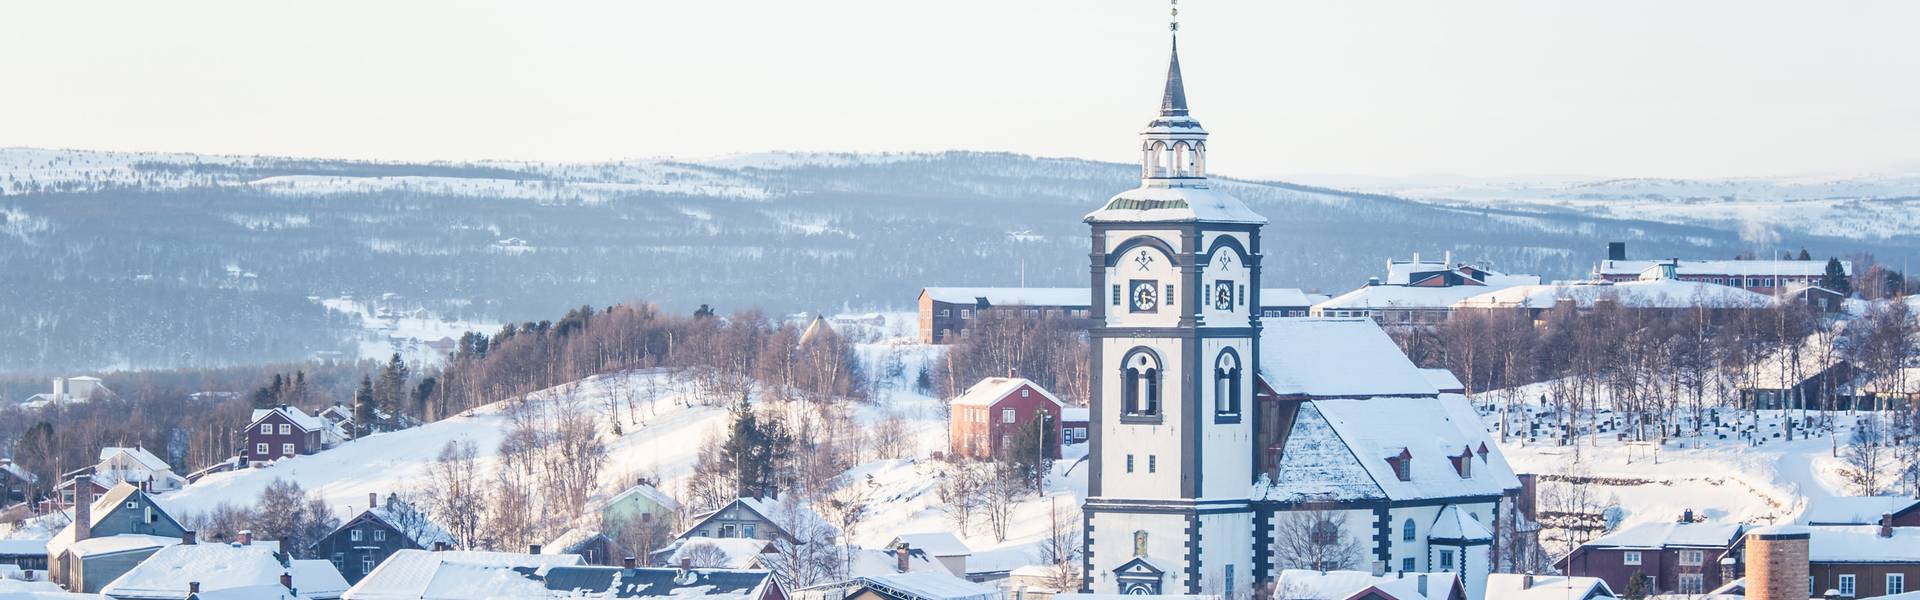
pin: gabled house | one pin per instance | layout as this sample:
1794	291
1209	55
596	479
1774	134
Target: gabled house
642	502
108	536
715	553
16	483
1515	586
762	518
985	418
361	544
132	465
1680	557
909	585
942	546
1857	561
592	546
247	568
283	432
631	581
1300	584
1861	510
71	389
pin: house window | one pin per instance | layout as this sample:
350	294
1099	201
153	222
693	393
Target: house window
1630	557
1896	583
1116	294
379	535
1141	377
1080	433
1406	565
1846	585
1692	583
1692	558
946	312
1406	532
747	530
353	535
260	449
1169	294
1226	383
285	429
1446	560
1129	463
340	562
366	565
1026	393
266	428
1243	295
286	449
1229	581
727	531
1006	415
1153	463
966	313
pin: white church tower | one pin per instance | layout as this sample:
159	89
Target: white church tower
1176	283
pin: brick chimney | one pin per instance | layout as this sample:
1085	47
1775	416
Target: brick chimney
286	580
1776	559
1013	372
189	538
628	562
246	537
533	548
684	575
1886	525
900	556
1526	581
82	507
193	587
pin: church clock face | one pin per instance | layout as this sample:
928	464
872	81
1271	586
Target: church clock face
1144	296
1223	295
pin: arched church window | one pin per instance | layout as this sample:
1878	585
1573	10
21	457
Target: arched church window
1406	531
1140	384
1226	383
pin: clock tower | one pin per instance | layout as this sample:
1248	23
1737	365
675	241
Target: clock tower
1174	345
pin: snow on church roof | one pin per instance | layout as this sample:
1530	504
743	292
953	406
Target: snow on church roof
1338	450
1454	524
1336	357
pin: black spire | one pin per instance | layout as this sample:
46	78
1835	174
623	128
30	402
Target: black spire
1174	102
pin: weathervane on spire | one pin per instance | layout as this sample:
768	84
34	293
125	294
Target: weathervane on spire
1174	23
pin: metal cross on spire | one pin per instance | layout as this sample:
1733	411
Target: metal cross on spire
1174	21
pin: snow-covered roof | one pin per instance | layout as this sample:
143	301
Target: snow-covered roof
17	472
1065	296
1302	584
1443	380
1862	544
937	543
566	541
1659	535
1163	201
1338	450
993	389
739	553
1336	357
139	455
115	544
1375	297
215	566
1650	293
13	589
648	492
15	547
102	506
1852	510
783	513
930	585
1456	524
1076	414
298	417
1080	596
1513	586
616	582
1289	297
317	578
1784	268
422	574
408	521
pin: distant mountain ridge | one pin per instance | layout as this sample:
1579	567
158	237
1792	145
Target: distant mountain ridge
143	260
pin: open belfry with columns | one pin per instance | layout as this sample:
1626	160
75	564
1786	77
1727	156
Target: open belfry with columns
1210	427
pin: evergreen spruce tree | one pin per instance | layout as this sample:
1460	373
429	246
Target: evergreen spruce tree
1835	278
1804	255
363	404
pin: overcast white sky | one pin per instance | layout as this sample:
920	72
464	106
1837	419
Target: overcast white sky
1691	88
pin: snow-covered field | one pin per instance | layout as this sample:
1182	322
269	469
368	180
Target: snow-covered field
386	331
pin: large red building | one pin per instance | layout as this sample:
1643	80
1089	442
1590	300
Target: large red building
986	417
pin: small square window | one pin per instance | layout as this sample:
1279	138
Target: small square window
285	429
286	449
266	428
260	449
1006	415
1630	557
1446	560
1406	565
379	535
1026	393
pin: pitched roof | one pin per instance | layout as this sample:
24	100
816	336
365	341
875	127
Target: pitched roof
1336	357
1443	380
1173	102
1512	586
103	506
937	543
1400	297
422	574
1652	293
1657	535
139	455
1456	524
648	492
738	553
298	417
1862	544
1302	584
1289	297
1065	296
927	585
1853	510
215	566
408	521
115	544
991	390
616	582
1338	450
318	578
783	514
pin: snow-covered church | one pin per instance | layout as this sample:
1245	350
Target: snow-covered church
1212	428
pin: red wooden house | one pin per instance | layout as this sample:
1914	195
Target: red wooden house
282	432
986	417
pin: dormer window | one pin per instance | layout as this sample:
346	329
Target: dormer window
1463	464
1483	452
1402	465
